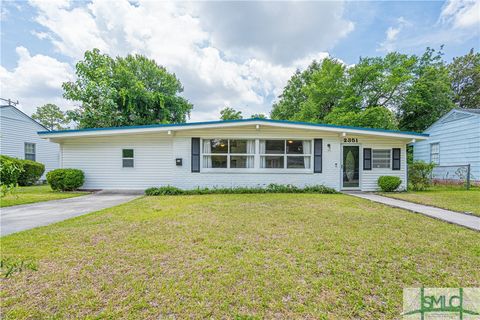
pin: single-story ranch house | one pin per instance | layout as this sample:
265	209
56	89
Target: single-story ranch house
251	152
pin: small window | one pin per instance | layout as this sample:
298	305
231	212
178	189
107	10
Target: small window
127	158
435	153
29	151
381	158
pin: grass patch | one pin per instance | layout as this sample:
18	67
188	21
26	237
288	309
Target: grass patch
455	198
32	194
250	256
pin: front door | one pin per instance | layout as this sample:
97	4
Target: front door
350	167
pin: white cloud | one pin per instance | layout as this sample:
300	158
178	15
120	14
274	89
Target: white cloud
461	14
391	35
277	31
36	80
458	22
179	36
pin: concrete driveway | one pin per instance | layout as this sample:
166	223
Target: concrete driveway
28	216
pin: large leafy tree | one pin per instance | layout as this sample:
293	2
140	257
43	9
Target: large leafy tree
132	90
430	95
324	92
293	96
228	113
51	117
465	74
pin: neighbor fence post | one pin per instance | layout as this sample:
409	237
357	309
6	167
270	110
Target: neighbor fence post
468	176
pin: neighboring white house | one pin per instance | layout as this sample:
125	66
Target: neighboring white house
251	152
19	139
454	141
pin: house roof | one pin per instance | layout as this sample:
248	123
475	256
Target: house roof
465	112
476	111
228	123
25	116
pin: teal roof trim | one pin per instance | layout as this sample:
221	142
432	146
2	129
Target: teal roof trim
173	125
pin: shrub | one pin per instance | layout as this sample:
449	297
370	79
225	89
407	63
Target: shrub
65	179
32	171
163	191
271	188
389	183
420	175
10	170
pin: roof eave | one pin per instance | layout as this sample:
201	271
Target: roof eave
225	124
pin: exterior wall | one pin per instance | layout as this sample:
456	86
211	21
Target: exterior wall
155	154
459	142
16	129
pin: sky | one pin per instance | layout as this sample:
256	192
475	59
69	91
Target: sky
238	54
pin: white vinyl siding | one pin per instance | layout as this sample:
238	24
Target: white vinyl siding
155	154
16	129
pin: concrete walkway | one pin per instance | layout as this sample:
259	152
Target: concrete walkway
465	220
28	216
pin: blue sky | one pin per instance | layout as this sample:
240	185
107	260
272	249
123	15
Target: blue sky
239	54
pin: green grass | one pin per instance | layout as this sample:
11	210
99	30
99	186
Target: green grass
454	198
282	256
33	194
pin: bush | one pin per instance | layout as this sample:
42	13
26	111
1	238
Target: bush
65	179
420	175
32	171
389	183
271	188
10	170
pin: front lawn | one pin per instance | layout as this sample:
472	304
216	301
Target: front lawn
281	256
33	194
454	198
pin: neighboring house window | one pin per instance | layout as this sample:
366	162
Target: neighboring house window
381	158
289	154
30	151
127	158
228	153
435	153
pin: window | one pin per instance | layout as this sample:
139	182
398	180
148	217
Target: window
127	158
228	153
280	154
29	151
435	153
381	158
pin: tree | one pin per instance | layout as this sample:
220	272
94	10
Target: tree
324	92
51	117
228	113
293	96
133	90
258	116
465	76
371	117
430	95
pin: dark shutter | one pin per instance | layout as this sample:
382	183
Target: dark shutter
367	159
396	158
195	154
317	155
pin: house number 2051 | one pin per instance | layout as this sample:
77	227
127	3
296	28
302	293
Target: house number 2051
350	139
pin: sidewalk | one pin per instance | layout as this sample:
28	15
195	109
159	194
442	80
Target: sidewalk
465	220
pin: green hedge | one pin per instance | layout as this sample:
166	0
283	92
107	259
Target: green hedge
65	179
420	175
10	170
271	188
32	171
389	183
